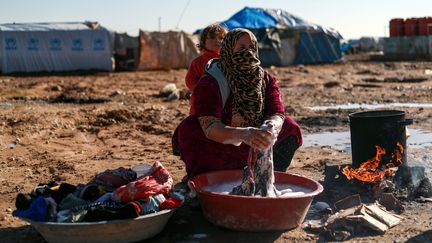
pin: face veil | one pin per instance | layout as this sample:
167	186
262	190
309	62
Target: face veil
245	76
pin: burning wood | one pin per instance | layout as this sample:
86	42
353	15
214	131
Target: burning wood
372	170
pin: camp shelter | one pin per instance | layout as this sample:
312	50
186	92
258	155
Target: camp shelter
399	48
126	52
55	47
166	50
286	39
371	44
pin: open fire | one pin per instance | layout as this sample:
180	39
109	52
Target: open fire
379	163
373	170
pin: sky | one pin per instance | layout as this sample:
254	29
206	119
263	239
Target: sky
353	19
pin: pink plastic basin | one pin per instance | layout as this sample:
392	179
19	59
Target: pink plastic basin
254	213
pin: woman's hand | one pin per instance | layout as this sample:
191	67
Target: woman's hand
273	124
257	138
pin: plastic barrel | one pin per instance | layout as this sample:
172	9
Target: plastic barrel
411	26
425	26
397	27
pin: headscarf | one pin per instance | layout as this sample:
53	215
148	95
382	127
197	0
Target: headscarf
245	77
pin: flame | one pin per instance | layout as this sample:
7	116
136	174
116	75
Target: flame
398	154
369	171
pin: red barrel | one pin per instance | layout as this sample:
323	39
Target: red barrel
425	26
411	26
397	27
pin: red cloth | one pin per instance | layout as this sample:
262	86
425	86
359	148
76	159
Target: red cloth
159	181
201	154
196	71
170	203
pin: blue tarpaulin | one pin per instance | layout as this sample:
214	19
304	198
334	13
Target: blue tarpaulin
314	43
258	18
251	18
317	48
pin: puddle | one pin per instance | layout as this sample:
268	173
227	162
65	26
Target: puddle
5	105
350	106
396	80
341	140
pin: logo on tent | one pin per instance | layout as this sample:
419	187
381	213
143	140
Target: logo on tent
55	44
77	45
98	45
10	43
33	44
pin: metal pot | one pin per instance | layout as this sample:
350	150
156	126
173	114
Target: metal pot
384	128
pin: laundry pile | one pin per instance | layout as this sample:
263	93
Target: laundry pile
122	193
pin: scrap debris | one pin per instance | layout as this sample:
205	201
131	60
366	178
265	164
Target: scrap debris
352	216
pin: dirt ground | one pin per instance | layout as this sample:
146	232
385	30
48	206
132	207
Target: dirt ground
72	126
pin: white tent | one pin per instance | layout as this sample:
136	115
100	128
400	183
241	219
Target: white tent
55	47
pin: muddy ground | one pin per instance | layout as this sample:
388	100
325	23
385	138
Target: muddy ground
72	126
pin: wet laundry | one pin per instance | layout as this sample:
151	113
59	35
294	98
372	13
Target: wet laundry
110	195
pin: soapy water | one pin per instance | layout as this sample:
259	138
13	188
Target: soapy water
286	190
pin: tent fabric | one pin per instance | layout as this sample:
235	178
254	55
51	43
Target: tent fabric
258	18
55	47
317	48
288	50
268	46
287	20
251	18
166	50
127	52
305	43
368	44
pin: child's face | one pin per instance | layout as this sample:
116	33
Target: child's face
214	42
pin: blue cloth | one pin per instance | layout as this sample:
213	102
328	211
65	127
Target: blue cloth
36	211
151	206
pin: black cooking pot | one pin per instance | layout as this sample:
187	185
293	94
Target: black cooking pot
384	128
